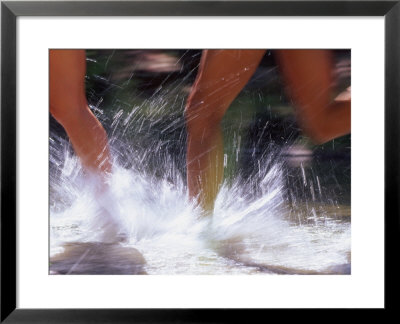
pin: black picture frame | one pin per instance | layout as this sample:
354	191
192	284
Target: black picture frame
10	10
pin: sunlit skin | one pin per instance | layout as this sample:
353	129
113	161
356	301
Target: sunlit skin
222	75
308	76
68	105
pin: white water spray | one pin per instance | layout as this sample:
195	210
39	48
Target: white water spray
247	233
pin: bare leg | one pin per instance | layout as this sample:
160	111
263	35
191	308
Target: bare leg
308	74
69	107
222	75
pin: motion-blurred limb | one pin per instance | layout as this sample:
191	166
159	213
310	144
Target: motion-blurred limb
222	75
69	107
308	77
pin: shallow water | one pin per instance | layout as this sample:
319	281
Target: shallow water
275	214
144	222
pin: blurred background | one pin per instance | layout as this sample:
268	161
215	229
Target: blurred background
139	96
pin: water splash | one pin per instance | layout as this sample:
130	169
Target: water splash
146	208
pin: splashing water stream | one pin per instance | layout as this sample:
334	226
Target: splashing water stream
265	220
144	222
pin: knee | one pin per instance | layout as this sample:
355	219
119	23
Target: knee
67	112
201	124
202	116
67	84
59	113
